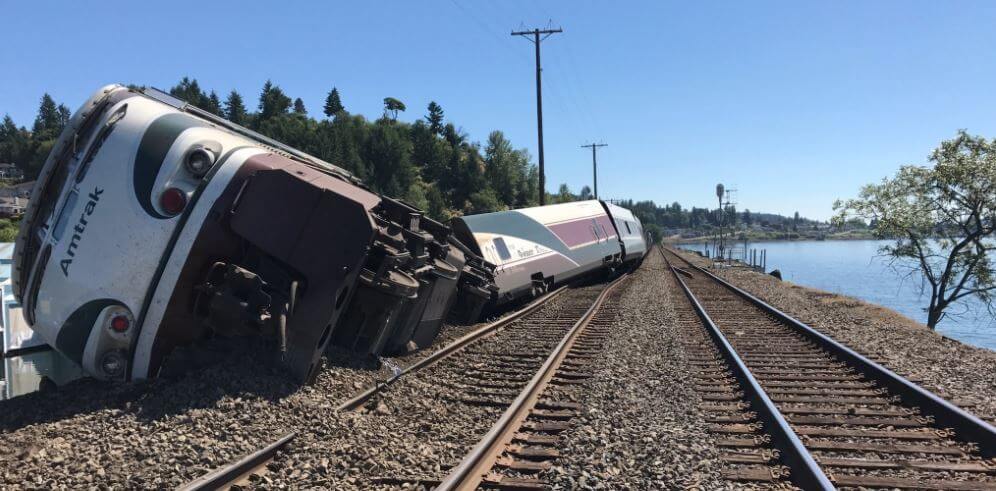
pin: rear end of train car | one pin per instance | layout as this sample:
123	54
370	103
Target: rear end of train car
154	224
630	231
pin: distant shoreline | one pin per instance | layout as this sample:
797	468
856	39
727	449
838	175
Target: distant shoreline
788	237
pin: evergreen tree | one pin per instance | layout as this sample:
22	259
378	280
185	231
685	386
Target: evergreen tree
272	102
235	109
564	194
389	153
213	104
189	91
429	152
48	123
501	167
64	116
435	118
585	193
11	142
299	107
333	105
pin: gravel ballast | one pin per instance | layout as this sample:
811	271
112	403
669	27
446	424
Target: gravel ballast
640	426
227	403
956	371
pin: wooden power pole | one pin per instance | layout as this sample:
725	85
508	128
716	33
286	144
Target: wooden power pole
536	40
594	163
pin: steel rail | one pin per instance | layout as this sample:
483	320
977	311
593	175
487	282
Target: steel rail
805	471
968	427
469	473
450	349
230	474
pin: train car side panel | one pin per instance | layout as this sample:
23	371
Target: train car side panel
549	244
630	232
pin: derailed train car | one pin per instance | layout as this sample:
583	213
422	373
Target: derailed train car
536	248
154	224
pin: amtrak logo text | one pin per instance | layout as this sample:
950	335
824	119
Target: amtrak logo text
78	230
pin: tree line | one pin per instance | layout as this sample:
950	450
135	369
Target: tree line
430	163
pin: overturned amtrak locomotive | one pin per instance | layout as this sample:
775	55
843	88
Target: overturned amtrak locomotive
154	224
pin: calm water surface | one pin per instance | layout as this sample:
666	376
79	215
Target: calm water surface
852	267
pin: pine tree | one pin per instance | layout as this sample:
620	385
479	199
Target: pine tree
10	141
47	123
435	118
213	104
189	91
235	110
7	129
299	107
64	115
272	101
333	105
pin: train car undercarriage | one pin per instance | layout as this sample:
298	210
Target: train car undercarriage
336	264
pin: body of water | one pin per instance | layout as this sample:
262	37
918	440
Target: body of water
854	268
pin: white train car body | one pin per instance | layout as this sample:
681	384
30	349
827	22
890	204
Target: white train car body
630	230
534	248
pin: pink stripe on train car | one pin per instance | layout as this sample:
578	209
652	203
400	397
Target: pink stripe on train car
580	232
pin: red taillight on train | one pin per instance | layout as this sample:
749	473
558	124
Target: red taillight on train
120	323
173	201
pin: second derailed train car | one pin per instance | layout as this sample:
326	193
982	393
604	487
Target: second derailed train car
536	248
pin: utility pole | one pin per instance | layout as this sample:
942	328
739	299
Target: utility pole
536	40
594	162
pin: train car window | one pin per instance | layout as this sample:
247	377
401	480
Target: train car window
628	231
502	249
99	141
60	223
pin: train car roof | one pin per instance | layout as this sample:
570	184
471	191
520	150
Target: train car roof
619	212
511	221
543	214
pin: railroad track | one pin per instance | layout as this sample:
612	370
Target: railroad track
238	472
836	418
524	439
487	377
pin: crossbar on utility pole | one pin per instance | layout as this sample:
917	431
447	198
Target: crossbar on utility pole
594	162
536	40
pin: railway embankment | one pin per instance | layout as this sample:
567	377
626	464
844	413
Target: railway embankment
963	374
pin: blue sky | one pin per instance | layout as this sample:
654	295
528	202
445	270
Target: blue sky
794	104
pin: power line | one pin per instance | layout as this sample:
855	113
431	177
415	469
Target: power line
578	83
486	27
594	162
537	40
